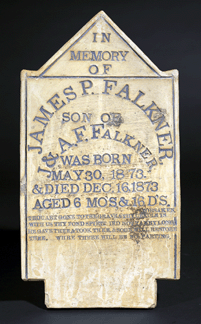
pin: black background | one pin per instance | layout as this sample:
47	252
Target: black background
169	33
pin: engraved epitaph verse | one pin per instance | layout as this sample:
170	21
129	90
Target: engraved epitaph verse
100	199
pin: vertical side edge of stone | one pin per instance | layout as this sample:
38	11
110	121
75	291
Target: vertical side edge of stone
177	235
178	243
154	304
23	174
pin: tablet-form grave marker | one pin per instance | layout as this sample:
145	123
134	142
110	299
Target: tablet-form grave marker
100	191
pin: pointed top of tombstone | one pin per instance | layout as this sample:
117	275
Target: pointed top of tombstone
83	46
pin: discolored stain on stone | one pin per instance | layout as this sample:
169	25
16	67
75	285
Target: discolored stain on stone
115	119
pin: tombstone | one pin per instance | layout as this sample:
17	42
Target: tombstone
100	188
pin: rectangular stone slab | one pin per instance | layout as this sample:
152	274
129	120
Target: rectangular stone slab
100	186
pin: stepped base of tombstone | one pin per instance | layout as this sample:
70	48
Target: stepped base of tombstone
108	275
143	296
